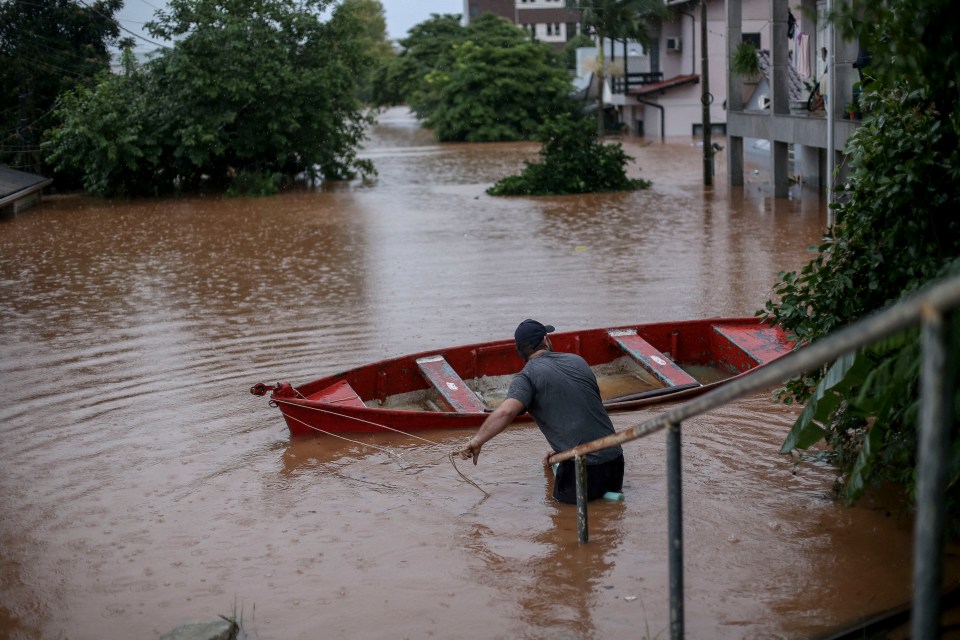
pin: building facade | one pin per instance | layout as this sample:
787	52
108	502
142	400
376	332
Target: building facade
798	38
661	92
548	21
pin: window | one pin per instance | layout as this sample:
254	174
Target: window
752	38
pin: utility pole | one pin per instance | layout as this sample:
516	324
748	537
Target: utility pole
705	98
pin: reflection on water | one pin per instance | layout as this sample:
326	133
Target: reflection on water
143	487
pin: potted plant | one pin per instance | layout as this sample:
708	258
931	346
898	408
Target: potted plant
852	109
744	63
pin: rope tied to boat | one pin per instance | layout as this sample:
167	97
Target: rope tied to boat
398	458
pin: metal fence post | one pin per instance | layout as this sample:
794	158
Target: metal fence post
583	532
936	394
675	529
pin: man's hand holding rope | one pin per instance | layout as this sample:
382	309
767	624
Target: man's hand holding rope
471	450
494	424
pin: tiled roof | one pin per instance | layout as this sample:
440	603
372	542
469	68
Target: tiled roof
659	87
794	83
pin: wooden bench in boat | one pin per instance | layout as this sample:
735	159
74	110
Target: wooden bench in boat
647	356
449	385
759	344
338	393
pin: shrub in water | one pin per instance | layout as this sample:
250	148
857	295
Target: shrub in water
572	160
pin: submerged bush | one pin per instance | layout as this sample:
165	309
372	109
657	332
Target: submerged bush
572	160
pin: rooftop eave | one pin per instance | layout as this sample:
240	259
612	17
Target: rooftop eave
663	87
22	193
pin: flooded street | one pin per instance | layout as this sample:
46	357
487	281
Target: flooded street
143	487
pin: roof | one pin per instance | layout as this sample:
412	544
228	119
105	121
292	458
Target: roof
661	87
17	184
794	82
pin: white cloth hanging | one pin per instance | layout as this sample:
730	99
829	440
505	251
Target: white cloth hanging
803	55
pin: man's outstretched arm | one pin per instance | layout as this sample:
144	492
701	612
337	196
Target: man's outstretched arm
496	422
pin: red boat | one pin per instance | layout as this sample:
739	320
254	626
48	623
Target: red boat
636	366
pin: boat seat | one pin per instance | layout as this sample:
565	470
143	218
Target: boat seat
647	356
338	393
760	344
449	385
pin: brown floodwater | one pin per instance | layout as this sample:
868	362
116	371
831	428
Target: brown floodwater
142	486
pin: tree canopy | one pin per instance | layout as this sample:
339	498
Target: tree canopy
47	47
480	83
372	39
426	48
261	88
896	230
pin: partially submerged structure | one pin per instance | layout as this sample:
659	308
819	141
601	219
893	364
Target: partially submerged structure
19	190
661	91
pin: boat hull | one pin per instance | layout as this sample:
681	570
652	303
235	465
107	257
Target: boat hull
660	362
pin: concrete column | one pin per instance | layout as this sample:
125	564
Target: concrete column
780	90
734	95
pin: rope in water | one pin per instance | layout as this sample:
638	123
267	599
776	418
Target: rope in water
343	415
375	424
363	444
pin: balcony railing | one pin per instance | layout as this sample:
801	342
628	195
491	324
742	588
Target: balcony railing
621	84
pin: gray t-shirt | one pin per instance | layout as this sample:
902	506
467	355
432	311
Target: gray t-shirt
561	392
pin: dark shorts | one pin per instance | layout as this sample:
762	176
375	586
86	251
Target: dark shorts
603	477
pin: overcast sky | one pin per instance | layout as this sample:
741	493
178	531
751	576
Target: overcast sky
401	15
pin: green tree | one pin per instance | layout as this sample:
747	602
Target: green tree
373	39
483	82
617	19
428	47
896	229
572	160
500	87
251	88
47	47
111	136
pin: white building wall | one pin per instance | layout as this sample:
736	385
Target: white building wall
540	4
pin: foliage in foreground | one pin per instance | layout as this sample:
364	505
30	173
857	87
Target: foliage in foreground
251	88
896	230
572	160
484	82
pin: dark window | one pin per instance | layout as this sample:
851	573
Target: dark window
752	38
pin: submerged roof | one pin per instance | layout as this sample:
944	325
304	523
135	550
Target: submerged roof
16	184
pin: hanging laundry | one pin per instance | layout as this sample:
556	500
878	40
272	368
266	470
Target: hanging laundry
803	55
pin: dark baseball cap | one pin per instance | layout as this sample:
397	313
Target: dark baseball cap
531	333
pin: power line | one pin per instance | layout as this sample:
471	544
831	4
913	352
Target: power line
111	18
123	28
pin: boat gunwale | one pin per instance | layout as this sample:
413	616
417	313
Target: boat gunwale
454	419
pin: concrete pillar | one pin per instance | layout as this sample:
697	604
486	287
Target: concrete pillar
780	90
734	95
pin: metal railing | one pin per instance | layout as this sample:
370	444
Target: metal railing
937	385
622	83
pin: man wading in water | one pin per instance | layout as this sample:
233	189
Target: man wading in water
561	393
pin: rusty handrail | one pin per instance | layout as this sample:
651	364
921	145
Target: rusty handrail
900	316
926	308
